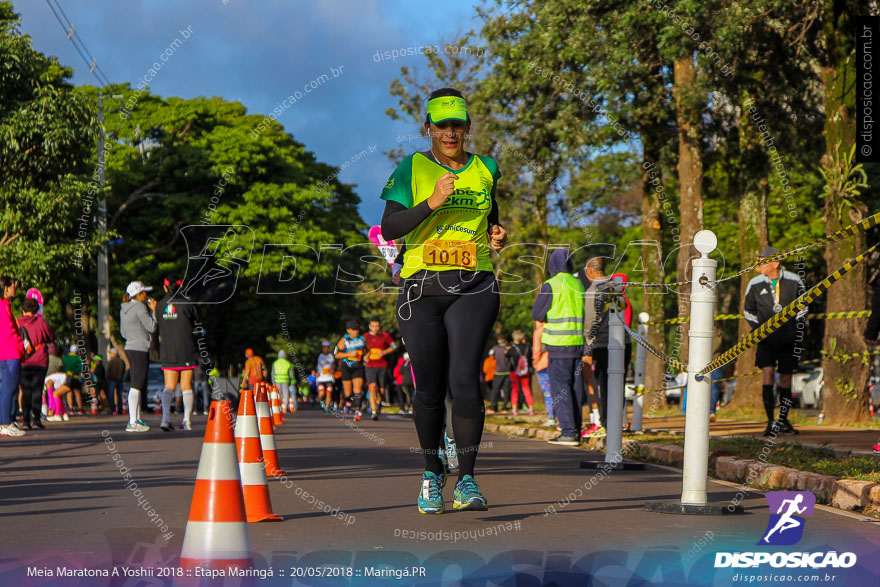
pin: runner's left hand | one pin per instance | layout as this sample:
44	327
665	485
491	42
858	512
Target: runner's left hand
497	237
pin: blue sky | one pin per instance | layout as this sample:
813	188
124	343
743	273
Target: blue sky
260	52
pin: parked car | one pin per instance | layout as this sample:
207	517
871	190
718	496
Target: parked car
673	396
629	391
155	385
797	387
809	387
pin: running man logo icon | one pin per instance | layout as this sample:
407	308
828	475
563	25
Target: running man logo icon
216	255
786	525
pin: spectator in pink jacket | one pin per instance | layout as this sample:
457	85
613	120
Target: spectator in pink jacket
33	368
10	357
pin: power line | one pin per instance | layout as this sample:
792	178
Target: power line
76	35
73	37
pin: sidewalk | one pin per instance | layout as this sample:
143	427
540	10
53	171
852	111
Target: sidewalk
842	439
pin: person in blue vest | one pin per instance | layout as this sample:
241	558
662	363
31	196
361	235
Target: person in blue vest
282	375
560	305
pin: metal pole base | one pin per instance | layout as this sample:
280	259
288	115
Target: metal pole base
717	508
623	465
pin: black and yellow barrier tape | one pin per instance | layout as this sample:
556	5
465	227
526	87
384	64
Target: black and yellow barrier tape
816	316
786	314
674	363
846	232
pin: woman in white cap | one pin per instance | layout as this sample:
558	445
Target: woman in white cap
137	324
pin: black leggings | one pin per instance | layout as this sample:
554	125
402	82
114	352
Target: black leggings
31	382
445	336
138	364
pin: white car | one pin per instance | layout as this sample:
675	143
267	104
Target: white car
155	386
678	382
811	388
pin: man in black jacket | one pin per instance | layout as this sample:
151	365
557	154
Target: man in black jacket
597	318
766	295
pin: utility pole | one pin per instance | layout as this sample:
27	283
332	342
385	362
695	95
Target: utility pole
103	280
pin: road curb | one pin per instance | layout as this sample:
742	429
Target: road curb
845	494
850	495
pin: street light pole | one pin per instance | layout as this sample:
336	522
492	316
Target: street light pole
103	280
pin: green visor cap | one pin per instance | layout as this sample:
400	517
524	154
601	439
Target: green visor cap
447	108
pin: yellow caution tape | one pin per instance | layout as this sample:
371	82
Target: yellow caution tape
851	314
640	390
787	313
843	357
817	316
848	231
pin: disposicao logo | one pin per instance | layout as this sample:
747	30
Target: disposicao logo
785	528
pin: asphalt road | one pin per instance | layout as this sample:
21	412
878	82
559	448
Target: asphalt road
63	504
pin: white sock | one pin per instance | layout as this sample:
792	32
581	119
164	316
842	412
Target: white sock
134	404
188	400
595	418
165	396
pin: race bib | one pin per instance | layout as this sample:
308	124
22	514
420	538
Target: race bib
358	354
325	371
449	252
375	354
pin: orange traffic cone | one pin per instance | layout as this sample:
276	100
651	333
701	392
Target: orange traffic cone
216	534
275	402
250	462
267	436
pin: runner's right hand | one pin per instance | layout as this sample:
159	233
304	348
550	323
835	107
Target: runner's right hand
444	188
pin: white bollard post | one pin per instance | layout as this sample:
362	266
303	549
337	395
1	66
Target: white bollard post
639	377
614	425
700	336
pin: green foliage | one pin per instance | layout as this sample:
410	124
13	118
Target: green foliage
47	133
844	180
180	162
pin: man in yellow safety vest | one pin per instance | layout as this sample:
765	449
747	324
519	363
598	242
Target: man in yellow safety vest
282	374
560	305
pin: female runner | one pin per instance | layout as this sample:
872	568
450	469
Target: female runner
443	202
178	352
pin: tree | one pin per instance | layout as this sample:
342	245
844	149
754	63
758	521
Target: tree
47	182
767	122
845	395
178	162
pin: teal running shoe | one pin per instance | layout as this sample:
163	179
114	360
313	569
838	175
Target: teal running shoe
431	495
468	496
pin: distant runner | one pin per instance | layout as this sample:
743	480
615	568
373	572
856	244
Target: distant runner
380	345
350	350
325	376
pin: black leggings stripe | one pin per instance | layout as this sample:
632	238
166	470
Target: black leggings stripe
445	336
31	382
